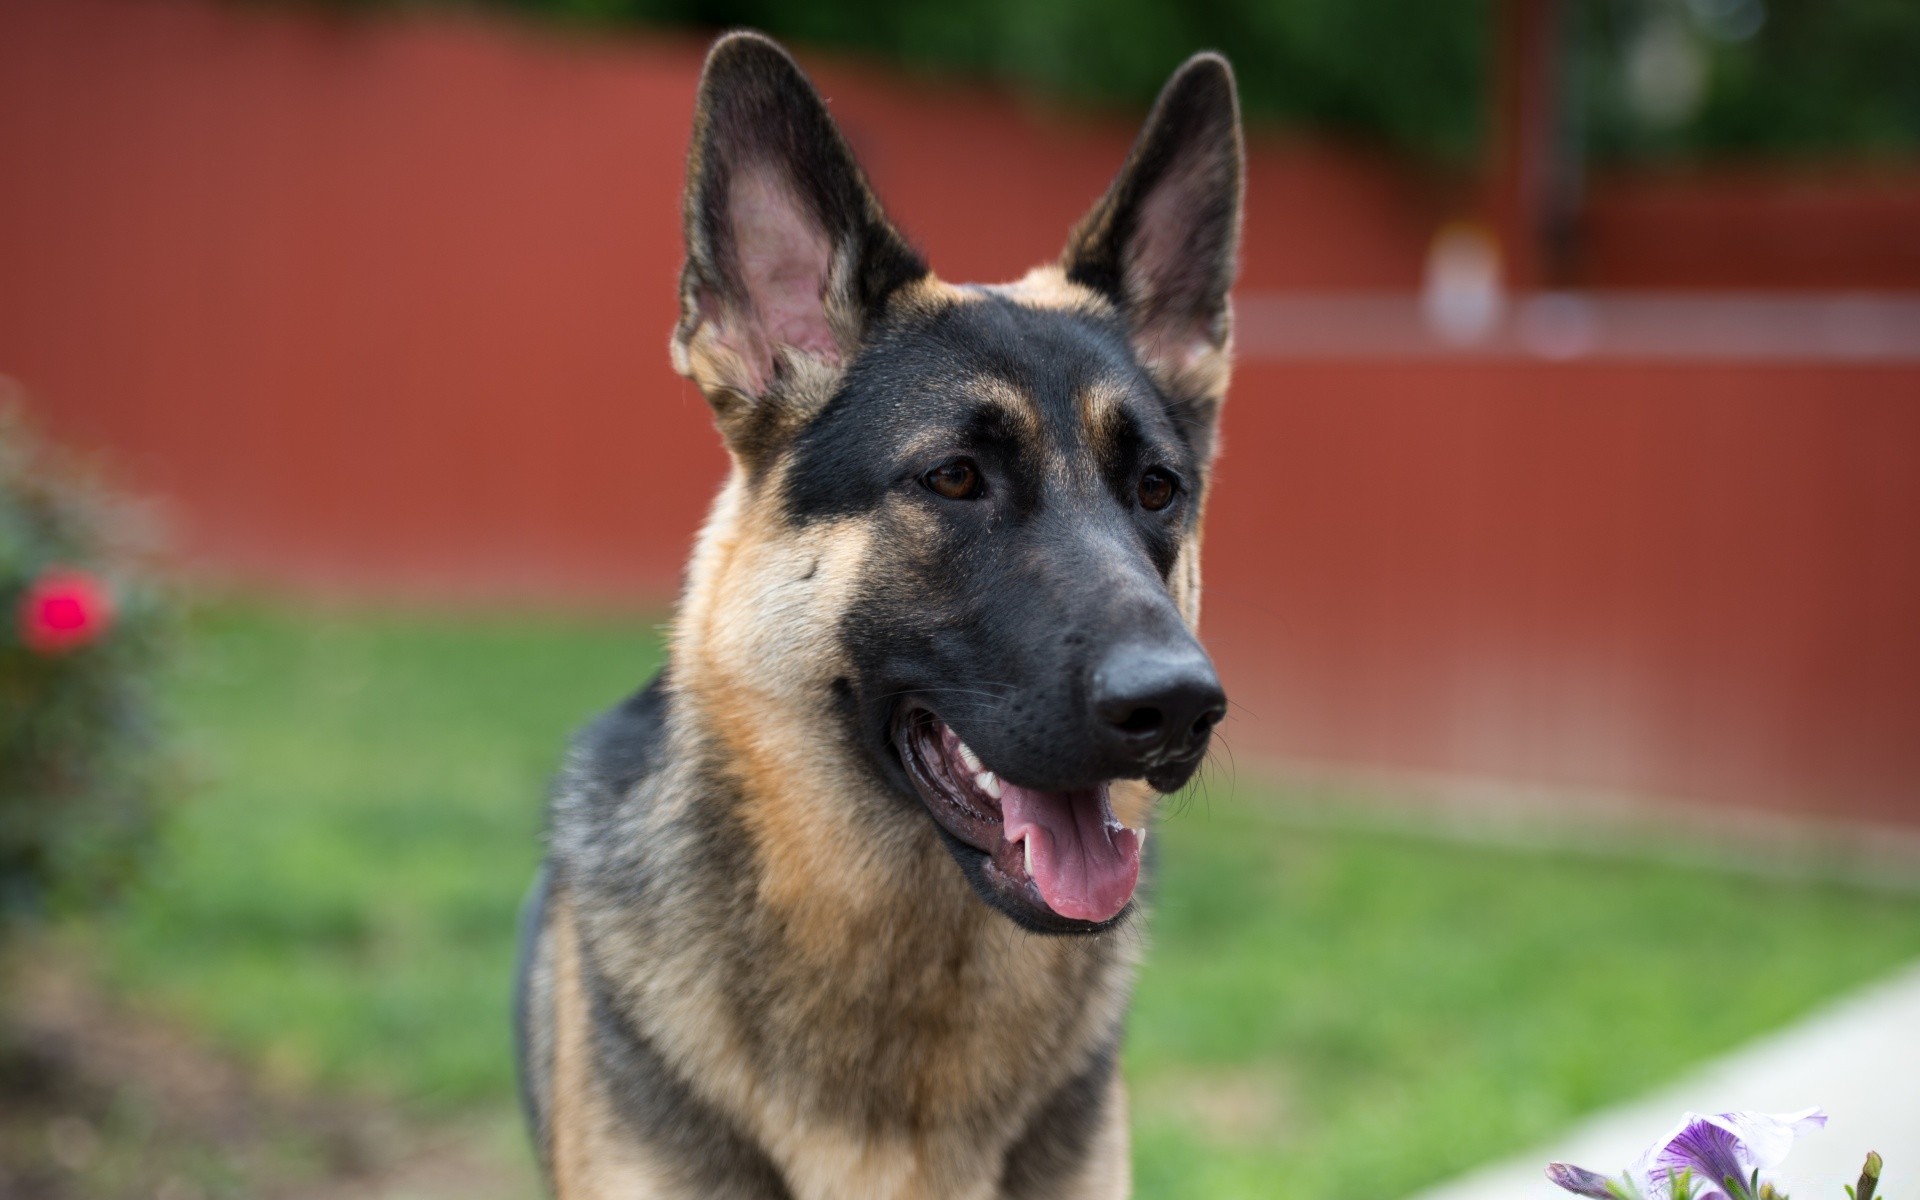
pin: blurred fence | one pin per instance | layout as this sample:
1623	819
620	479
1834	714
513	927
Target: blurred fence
384	305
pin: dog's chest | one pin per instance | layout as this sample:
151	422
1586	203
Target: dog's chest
831	1162
920	1101
877	1067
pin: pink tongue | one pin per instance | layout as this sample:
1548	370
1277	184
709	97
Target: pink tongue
1085	867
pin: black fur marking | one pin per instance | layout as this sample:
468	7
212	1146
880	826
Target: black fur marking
621	743
613	755
705	1150
845	703
1057	1140
916	375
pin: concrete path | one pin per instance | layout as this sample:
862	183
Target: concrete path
1859	1059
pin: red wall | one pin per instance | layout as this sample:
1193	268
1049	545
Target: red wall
1701	580
1782	228
385	306
393	298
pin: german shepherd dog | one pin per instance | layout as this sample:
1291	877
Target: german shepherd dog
838	905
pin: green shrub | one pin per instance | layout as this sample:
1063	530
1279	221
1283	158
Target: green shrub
81	768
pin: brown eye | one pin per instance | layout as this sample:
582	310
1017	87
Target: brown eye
956	479
1156	489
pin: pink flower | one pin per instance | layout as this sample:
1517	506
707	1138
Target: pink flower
63	610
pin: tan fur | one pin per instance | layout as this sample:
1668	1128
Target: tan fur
1200	371
1047	286
929	295
1133	802
589	1162
725	378
1099	402
1109	1168
1017	406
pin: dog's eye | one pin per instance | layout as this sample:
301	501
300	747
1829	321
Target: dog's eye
1157	488
956	479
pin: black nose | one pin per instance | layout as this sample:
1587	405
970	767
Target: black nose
1157	703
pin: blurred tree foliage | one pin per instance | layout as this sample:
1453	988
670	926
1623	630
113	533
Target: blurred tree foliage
1768	76
1749	77
1405	71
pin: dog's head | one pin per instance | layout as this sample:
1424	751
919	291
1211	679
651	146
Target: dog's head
964	520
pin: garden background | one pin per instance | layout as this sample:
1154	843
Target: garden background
1563	566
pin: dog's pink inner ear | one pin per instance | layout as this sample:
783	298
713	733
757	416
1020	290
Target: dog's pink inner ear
1172	266
783	258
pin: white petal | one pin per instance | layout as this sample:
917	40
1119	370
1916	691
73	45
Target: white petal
1769	1136
1764	1140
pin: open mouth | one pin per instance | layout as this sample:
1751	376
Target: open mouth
1061	854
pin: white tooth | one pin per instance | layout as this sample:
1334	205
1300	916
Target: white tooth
1027	843
972	760
989	783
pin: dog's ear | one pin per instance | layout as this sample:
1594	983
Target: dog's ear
789	255
1163	242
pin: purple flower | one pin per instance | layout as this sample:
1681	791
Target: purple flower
1715	1149
1580	1181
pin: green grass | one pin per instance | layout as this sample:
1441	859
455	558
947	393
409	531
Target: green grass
338	896
1343	1015
1393	1010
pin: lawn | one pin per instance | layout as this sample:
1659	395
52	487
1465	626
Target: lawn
1327	1013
